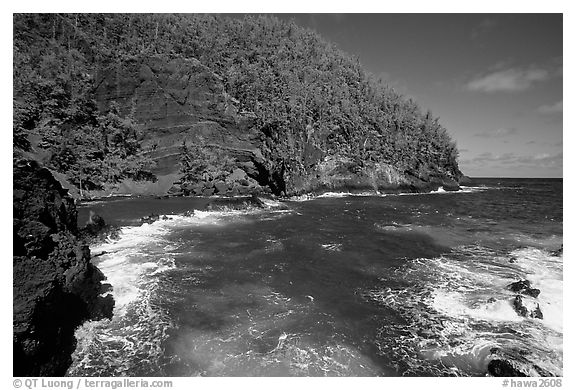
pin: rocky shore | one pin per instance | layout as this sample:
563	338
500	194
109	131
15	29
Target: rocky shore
56	288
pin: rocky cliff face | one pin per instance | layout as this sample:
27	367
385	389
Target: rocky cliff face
56	288
183	104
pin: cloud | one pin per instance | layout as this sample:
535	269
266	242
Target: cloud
541	160
508	80
498	133
555	108
486	25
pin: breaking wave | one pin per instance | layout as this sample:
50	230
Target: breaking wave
458	309
136	265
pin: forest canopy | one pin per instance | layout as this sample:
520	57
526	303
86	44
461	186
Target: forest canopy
294	82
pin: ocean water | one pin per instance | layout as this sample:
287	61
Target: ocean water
336	285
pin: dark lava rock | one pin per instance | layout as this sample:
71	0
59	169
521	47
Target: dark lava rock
56	287
239	203
533	292
95	228
513	363
150	218
502	367
524	287
558	252
527	308
519	285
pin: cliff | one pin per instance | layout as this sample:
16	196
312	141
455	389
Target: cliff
55	288
181	103
186	117
139	104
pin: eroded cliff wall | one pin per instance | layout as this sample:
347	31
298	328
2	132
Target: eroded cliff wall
181	103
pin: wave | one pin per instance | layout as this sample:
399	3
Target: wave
457	309
137	265
131	341
440	190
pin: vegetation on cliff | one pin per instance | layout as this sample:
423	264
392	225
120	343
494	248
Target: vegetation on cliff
302	90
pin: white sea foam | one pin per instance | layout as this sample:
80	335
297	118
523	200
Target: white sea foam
545	273
144	251
332	247
134	265
440	190
335	195
474	312
467	189
454	304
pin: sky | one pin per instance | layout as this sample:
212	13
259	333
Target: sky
495	80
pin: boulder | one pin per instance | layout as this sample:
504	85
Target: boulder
95	225
150	218
506	368
524	287
238	203
513	363
527	307
96	230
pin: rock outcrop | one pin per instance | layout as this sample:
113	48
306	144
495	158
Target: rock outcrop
559	252
181	105
527	307
56	288
524	302
524	287
513	364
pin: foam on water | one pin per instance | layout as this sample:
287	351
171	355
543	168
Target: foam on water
440	190
545	273
194	299
266	335
131	342
458	308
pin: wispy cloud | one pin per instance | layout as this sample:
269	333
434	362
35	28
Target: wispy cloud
541	160
508	80
555	108
497	133
486	25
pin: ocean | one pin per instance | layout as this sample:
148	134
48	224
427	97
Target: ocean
332	285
